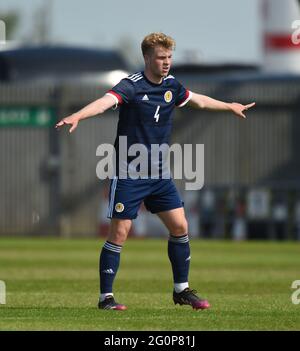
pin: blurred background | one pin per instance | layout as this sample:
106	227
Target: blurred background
58	55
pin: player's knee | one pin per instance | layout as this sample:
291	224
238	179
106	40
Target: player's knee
180	228
119	235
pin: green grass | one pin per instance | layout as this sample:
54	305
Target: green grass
52	284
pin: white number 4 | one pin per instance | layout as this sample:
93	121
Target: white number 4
156	115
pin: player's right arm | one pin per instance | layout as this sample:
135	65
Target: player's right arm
95	108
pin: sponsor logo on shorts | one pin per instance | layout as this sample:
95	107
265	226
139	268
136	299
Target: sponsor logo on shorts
119	207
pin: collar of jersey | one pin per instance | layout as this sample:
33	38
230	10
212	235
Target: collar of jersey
151	83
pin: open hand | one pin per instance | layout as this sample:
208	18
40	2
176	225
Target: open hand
72	120
238	109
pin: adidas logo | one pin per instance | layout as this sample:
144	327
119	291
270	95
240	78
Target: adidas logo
145	97
108	271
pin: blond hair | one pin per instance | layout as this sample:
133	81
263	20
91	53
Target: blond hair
155	39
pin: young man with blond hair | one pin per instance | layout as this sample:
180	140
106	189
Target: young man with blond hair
147	100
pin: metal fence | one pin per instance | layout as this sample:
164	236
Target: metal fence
48	179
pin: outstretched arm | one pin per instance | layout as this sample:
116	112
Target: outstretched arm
206	102
92	109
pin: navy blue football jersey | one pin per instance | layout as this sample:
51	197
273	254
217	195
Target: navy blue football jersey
146	109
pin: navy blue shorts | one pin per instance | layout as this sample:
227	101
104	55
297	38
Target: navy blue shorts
126	196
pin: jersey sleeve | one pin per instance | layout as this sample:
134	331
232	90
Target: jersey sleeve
183	96
123	92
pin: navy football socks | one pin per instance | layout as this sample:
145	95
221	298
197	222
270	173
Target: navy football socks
108	267
179	255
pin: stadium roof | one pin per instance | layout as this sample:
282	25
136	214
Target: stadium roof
30	63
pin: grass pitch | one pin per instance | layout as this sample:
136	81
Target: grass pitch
52	284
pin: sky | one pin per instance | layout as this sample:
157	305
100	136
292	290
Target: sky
205	30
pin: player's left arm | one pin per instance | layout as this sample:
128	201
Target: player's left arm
205	102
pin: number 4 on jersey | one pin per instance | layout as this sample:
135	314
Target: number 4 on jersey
156	115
